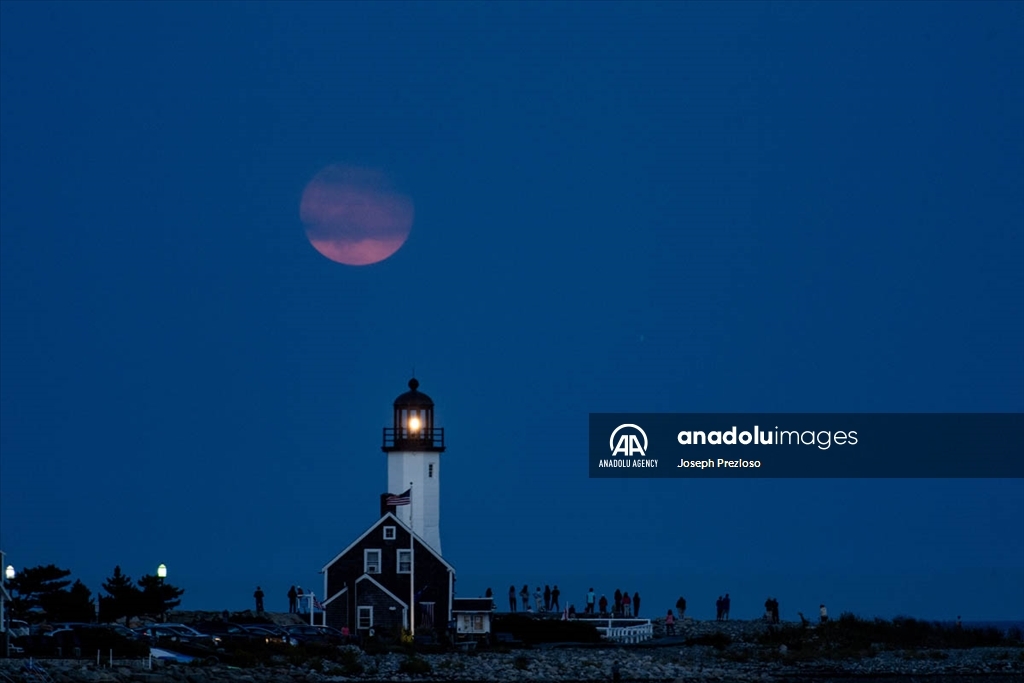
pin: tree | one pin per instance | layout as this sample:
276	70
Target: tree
123	598
75	604
35	588
158	596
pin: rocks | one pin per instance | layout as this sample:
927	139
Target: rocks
740	663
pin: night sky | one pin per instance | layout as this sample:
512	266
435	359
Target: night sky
722	207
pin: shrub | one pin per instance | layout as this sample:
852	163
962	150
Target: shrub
414	665
244	659
348	660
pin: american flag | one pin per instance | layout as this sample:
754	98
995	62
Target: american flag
404	499
318	605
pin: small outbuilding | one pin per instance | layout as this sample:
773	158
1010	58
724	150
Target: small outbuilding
472	617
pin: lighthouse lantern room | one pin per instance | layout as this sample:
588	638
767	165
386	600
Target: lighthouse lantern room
414	446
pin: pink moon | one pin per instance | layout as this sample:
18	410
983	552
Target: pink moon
354	215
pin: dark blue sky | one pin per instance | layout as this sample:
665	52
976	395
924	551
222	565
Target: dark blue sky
619	207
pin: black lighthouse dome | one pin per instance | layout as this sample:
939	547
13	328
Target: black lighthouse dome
414	397
413	428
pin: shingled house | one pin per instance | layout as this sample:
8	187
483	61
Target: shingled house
372	583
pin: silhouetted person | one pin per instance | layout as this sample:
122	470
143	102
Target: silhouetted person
636	604
681	606
823	614
572	611
591	597
554	597
627	604
718	608
537	597
525	597
603	605
547	597
259	600
298	598
670	624
511	598
489	593
293	606
725	607
617	597
775	610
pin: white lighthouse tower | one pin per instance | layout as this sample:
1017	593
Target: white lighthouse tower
414	447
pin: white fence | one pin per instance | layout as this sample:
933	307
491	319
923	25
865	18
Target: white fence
623	630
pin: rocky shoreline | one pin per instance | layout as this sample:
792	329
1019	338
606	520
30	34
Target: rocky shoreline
664	659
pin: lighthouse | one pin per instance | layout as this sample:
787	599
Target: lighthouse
414	446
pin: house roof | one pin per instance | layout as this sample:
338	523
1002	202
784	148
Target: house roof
330	599
367	577
379	522
472	605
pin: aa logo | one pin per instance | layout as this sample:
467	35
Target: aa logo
627	442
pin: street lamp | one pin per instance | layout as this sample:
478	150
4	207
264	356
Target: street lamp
161	573
9	572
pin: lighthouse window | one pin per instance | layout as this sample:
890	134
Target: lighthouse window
430	470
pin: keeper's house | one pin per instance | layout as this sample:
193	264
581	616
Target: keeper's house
393	576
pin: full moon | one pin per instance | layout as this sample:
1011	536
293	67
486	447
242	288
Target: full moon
354	215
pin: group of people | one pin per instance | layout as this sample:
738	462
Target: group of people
622	605
543	601
722	607
294	600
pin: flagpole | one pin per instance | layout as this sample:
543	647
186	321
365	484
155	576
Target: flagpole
412	570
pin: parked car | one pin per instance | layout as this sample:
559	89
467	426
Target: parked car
307	633
231	635
178	633
82	640
268	632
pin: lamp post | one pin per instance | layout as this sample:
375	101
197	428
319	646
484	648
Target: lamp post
161	573
5	619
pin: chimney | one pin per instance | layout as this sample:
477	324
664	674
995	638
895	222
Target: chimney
384	507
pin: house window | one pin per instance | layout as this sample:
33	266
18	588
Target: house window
389	533
430	470
371	561
365	618
478	623
404	561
